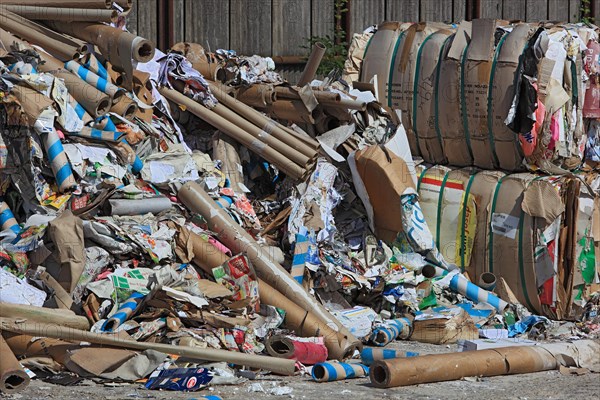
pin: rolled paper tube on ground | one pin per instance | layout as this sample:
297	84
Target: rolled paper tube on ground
62	14
231	234
44	315
125	311
331	371
277	365
308	353
13	377
152	205
97	134
299	260
264	123
125	107
288	167
393	329
461	285
95	102
91	62
318	51
50	41
431	271
487	281
96	81
7	218
58	161
369	355
454	366
271	141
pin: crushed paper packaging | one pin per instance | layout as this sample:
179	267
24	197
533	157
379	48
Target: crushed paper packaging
443	326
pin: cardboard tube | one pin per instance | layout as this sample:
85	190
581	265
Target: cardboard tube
125	107
7	218
291	110
264	123
97	134
63	14
303	323
96	81
285	92
44	315
260	96
152	205
50	41
369	355
91	62
115	44
347	104
306	352
329	372
393	329
13	377
454	366
474	293
125	311
239	241
263	136
430	271
487	281
95	102
290	168
312	64
58	161
106	4
277	365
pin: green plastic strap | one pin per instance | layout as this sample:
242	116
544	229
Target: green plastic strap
464	221
439	210
491	234
421	179
490	119
436	93
463	100
393	63
416	88
365	55
521	266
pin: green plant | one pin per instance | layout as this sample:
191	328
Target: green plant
336	47
585	11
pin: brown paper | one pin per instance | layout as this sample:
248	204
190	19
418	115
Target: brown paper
13	377
66	233
543	201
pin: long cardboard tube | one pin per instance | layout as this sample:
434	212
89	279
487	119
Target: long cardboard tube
50	41
152	205
95	102
96	81
284	92
454	366
346	104
329	372
117	45
264	123
106	4
63	14
303	323
291	110
277	365
239	241
263	136
44	315
125	107
13	377
290	168
260	96
312	64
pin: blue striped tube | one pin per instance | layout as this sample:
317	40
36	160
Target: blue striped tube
124	312
210	397
461	285
93	64
97	81
107	125
97	134
7	218
58	161
391	330
299	260
80	111
369	355
336	371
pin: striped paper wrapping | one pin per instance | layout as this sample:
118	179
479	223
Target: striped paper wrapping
369	355
476	294
391	330
7	218
105	123
80	111
124	312
97	81
58	161
97	134
299	260
334	371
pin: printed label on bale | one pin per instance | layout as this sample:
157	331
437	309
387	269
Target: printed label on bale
505	225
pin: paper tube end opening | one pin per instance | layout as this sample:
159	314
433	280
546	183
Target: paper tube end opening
103	107
320	45
379	375
145	51
15	382
318	372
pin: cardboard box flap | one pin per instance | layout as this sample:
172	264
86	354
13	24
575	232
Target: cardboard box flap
462	38
482	42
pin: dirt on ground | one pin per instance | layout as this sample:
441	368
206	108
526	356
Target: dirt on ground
540	385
